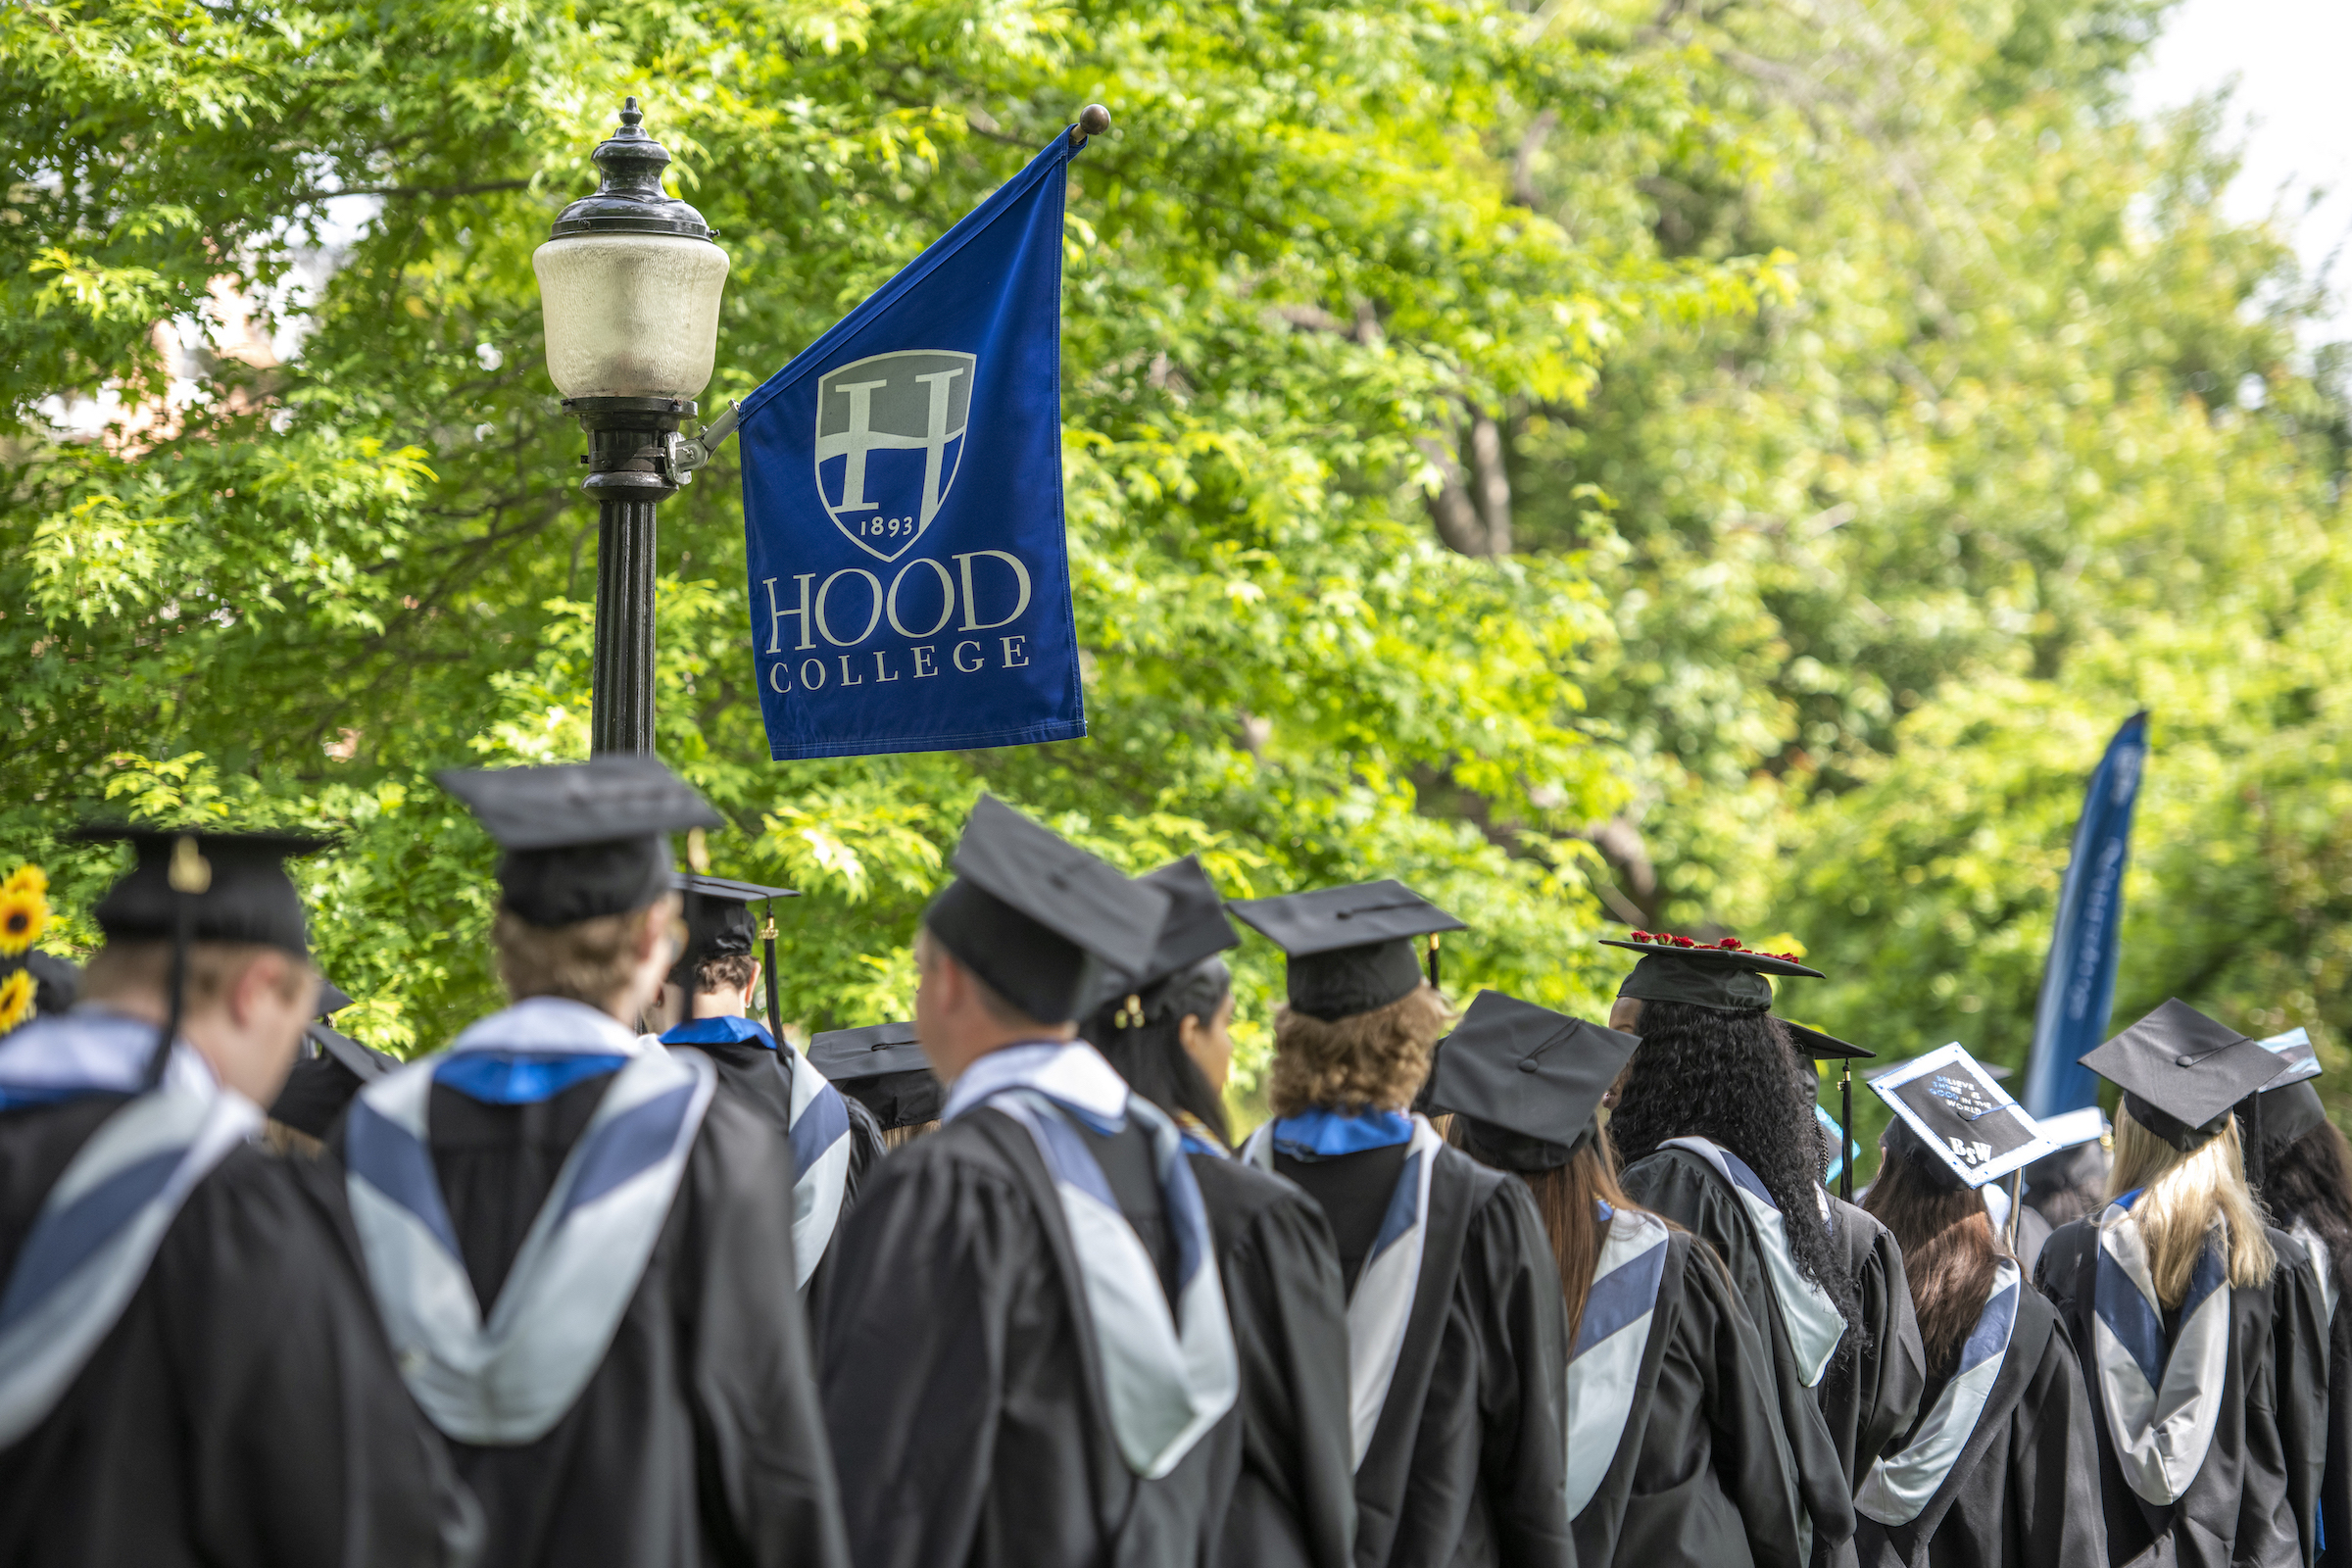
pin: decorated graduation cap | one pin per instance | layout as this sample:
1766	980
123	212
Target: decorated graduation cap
1525	1081
1039	918
1723	975
883	1069
719	925
2181	1072
1350	949
1954	1120
1990	1069
581	839
195	885
1194	930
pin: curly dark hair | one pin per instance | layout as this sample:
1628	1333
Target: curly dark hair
2310	1179
1732	1077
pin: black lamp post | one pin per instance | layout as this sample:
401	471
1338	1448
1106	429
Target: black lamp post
629	288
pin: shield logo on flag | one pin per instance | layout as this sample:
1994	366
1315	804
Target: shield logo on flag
890	433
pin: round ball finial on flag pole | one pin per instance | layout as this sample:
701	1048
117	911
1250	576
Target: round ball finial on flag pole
1092	121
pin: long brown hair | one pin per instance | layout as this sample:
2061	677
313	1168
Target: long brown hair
1949	1250
1565	1197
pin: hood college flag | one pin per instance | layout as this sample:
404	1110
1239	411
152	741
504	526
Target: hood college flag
902	499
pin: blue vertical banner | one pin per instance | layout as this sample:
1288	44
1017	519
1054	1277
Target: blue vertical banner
903	508
2078	982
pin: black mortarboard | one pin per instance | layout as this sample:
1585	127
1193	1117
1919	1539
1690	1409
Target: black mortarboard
883	1069
1194	928
1726	979
1350	949
241	889
2182	1071
318	1088
2296	1059
332	997
581	839
191	885
1816	1045
1038	917
718	921
1526	1080
1950	1115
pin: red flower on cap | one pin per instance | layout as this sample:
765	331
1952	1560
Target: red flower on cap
1683	941
1729	943
1644	936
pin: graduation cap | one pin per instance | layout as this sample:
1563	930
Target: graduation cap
581	839
1525	1080
318	1087
2296	1059
197	885
1990	1069
1953	1117
1195	929
1350	949
1038	917
1723	975
2286	1107
1813	1045
2069	1127
2182	1072
883	1069
719	925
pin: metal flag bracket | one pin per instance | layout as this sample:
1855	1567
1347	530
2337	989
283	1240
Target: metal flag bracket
686	456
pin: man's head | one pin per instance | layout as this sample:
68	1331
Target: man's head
248	986
243	1007
586	908
1017	946
716	976
960	1018
612	963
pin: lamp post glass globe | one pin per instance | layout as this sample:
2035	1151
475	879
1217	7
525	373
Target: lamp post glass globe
629	284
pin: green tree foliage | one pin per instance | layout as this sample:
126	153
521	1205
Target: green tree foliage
305	587
1732	464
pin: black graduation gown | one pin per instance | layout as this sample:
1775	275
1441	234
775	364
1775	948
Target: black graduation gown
2335	1486
753	1076
1869	1399
244	1410
697	1439
1704	1474
2254	1499
1467	1461
1685	1189
1293	1501
2024	1491
968	1422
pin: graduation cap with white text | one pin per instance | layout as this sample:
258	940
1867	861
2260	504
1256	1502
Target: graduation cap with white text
1960	1114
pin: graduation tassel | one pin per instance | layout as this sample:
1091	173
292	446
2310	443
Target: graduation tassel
2253	1160
190	875
2017	1201
1433	962
767	953
1845	1132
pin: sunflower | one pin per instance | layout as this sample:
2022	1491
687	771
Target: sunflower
15	999
23	914
26	878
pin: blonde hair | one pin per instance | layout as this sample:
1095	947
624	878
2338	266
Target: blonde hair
143	968
2183	1196
587	960
1373	1059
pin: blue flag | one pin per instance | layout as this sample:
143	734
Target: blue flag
2078	983
902	502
